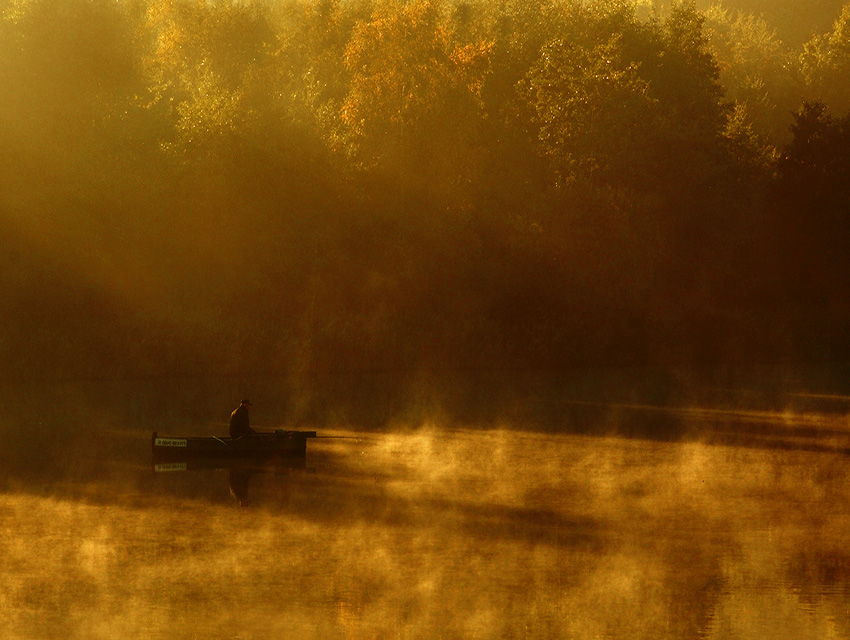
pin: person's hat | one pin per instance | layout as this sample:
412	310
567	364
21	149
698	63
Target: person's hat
248	402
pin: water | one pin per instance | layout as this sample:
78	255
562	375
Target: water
739	530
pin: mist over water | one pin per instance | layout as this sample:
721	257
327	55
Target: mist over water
736	529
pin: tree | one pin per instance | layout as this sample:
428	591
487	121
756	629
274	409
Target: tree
414	99
814	171
758	71
199	65
811	205
592	107
688	74
826	64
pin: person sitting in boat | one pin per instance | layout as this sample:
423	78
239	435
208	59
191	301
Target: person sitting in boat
239	423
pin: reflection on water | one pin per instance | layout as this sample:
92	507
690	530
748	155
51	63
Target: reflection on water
240	470
438	533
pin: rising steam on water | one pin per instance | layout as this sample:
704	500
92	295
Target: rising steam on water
496	534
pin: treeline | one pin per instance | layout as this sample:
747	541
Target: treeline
319	186
794	23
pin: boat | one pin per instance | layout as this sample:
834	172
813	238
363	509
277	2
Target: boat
274	443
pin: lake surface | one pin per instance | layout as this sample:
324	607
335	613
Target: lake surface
738	529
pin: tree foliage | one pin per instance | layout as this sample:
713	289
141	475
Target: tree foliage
826	63
592	106
758	70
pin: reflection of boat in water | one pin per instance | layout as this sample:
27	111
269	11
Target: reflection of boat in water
240	468
219	463
258	445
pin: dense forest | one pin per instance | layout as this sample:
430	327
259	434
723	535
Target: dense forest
299	188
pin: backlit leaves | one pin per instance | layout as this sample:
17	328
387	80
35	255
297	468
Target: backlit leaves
407	74
826	63
590	104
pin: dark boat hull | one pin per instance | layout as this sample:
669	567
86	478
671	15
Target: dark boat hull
280	442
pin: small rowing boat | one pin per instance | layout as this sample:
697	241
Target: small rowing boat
278	442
